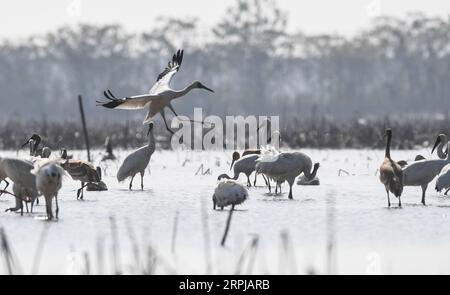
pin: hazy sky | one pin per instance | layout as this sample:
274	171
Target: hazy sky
21	18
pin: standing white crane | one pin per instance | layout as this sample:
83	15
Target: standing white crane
159	96
48	183
137	161
391	174
286	166
35	150
422	172
443	181
229	192
246	165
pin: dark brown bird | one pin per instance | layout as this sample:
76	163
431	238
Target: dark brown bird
391	174
82	171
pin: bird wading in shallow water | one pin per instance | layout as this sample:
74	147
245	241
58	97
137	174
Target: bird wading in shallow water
137	161
391	174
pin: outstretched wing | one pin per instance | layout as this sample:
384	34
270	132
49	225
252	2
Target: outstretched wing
163	80
128	103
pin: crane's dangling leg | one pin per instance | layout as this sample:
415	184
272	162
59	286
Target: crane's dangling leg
192	121
424	189
142	181
389	201
163	115
131	183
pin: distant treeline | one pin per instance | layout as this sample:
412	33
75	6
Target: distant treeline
394	67
295	133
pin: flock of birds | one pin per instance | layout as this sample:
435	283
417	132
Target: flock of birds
39	175
395	175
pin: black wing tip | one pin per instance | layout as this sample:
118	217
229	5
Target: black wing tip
111	104
114	101
176	61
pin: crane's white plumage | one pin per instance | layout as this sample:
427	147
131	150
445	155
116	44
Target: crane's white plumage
443	181
229	192
159	96
422	172
286	166
48	182
137	161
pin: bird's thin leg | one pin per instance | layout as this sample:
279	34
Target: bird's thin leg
399	201
265	180
389	201
276	187
26	205
254	182
57	206
446	192
248	181
131	182
142	181
37	200
270	189
173	111
163	115
7	184
424	189
214	204
290	191
279	185
232	207
48	205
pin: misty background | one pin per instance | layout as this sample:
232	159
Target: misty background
395	68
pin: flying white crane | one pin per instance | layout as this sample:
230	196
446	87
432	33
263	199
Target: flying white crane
137	161
286	166
229	192
422	172
391	174
159	96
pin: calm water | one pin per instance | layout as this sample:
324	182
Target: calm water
347	211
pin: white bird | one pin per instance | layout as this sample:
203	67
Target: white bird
422	172
35	150
246	165
443	181
391	174
159	96
19	171
48	183
137	161
229	192
287	166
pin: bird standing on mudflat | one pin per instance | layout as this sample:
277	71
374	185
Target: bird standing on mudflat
82	171
391	174
137	161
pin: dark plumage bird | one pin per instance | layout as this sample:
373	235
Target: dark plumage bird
391	174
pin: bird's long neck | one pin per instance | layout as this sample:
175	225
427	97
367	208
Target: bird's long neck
387	153
151	142
235	177
311	175
185	90
442	149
